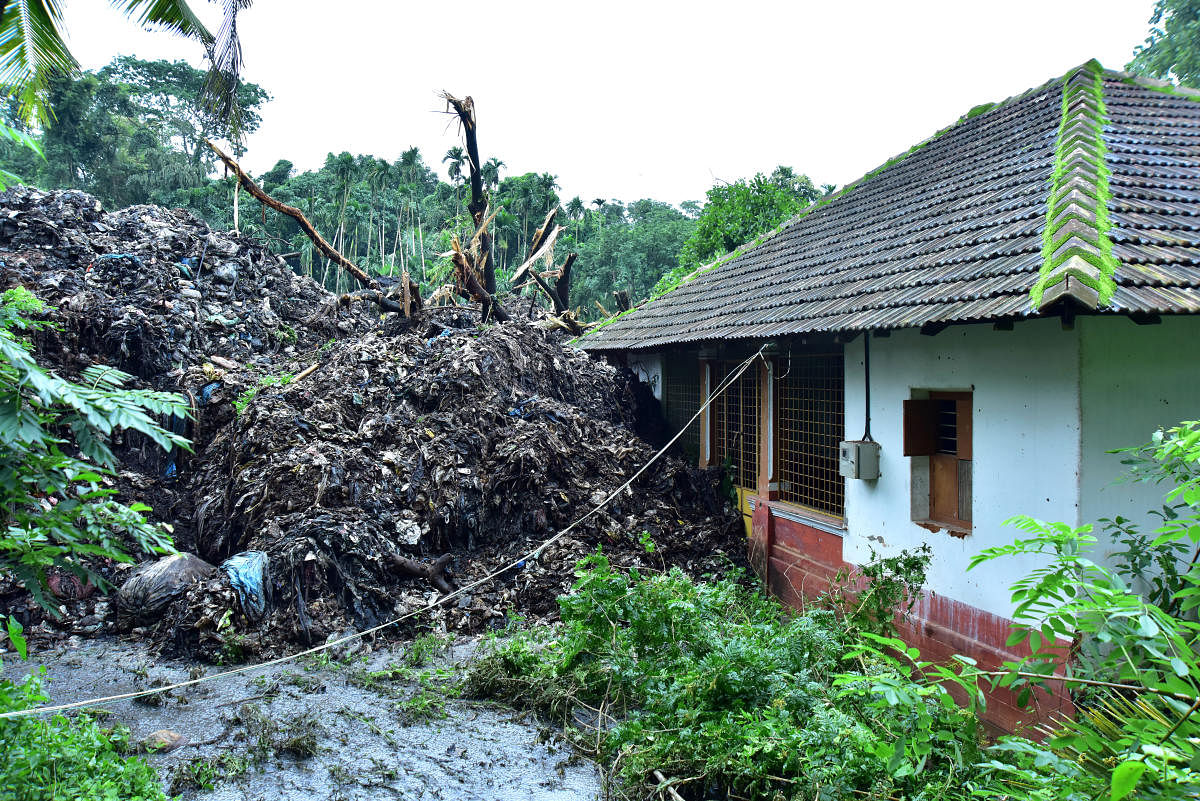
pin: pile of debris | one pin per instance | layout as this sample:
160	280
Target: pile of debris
375	463
151	291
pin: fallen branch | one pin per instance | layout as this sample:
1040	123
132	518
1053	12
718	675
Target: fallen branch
664	785
566	321
409	302
371	296
545	251
537	245
306	372
432	572
326	249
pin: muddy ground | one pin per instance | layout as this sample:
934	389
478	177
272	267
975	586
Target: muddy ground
383	725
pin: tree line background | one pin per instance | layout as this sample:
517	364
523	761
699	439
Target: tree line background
133	133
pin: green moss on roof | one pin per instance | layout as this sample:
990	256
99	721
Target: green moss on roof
1075	241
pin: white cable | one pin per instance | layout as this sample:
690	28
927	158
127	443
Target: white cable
40	710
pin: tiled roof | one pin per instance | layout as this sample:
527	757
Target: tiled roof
956	230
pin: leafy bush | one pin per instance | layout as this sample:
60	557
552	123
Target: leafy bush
60	758
1135	733
57	509
715	683
893	586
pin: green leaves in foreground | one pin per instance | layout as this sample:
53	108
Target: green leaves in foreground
61	758
57	504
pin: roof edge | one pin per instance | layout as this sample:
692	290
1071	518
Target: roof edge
975	111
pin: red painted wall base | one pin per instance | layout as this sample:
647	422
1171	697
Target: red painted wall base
800	563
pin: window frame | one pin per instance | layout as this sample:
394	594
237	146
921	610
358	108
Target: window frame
941	480
836	355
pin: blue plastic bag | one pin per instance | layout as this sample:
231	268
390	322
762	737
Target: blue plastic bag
247	573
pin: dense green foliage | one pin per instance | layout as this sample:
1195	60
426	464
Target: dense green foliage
130	133
1172	50
1136	734
738	212
66	759
55	503
713	682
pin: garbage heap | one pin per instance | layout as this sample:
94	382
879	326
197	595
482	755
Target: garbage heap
151	291
374	461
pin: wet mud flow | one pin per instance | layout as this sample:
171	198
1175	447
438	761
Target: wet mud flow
357	728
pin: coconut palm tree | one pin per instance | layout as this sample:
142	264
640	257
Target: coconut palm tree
33	48
491	172
457	158
575	213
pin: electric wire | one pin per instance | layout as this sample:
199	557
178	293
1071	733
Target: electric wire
516	563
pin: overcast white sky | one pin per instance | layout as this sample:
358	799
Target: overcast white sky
625	100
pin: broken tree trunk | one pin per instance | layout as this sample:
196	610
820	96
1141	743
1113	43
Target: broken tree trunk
326	249
563	285
432	572
465	109
467	279
544	243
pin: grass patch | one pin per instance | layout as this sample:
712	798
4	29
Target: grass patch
264	737
248	394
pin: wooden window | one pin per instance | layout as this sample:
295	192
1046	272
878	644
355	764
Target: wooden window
681	401
735	426
937	435
810	424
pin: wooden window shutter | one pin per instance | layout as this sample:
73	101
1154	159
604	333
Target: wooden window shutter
920	427
962	408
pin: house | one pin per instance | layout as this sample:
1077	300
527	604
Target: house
997	308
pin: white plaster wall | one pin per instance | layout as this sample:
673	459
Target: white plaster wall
1134	379
1026	445
648	367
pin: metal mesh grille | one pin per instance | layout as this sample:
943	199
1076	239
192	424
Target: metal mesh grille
810	426
681	400
735	426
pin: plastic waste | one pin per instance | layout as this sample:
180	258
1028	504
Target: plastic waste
247	573
153	585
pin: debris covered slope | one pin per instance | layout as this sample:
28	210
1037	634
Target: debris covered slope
416	440
362	454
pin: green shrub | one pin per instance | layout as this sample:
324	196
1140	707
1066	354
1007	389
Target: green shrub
248	394
55	505
717	684
66	759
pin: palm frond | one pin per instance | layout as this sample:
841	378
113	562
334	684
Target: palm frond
225	70
175	16
32	50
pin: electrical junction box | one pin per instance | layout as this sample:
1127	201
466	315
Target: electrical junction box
858	459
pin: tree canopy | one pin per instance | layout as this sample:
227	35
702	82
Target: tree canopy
1172	49
738	212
